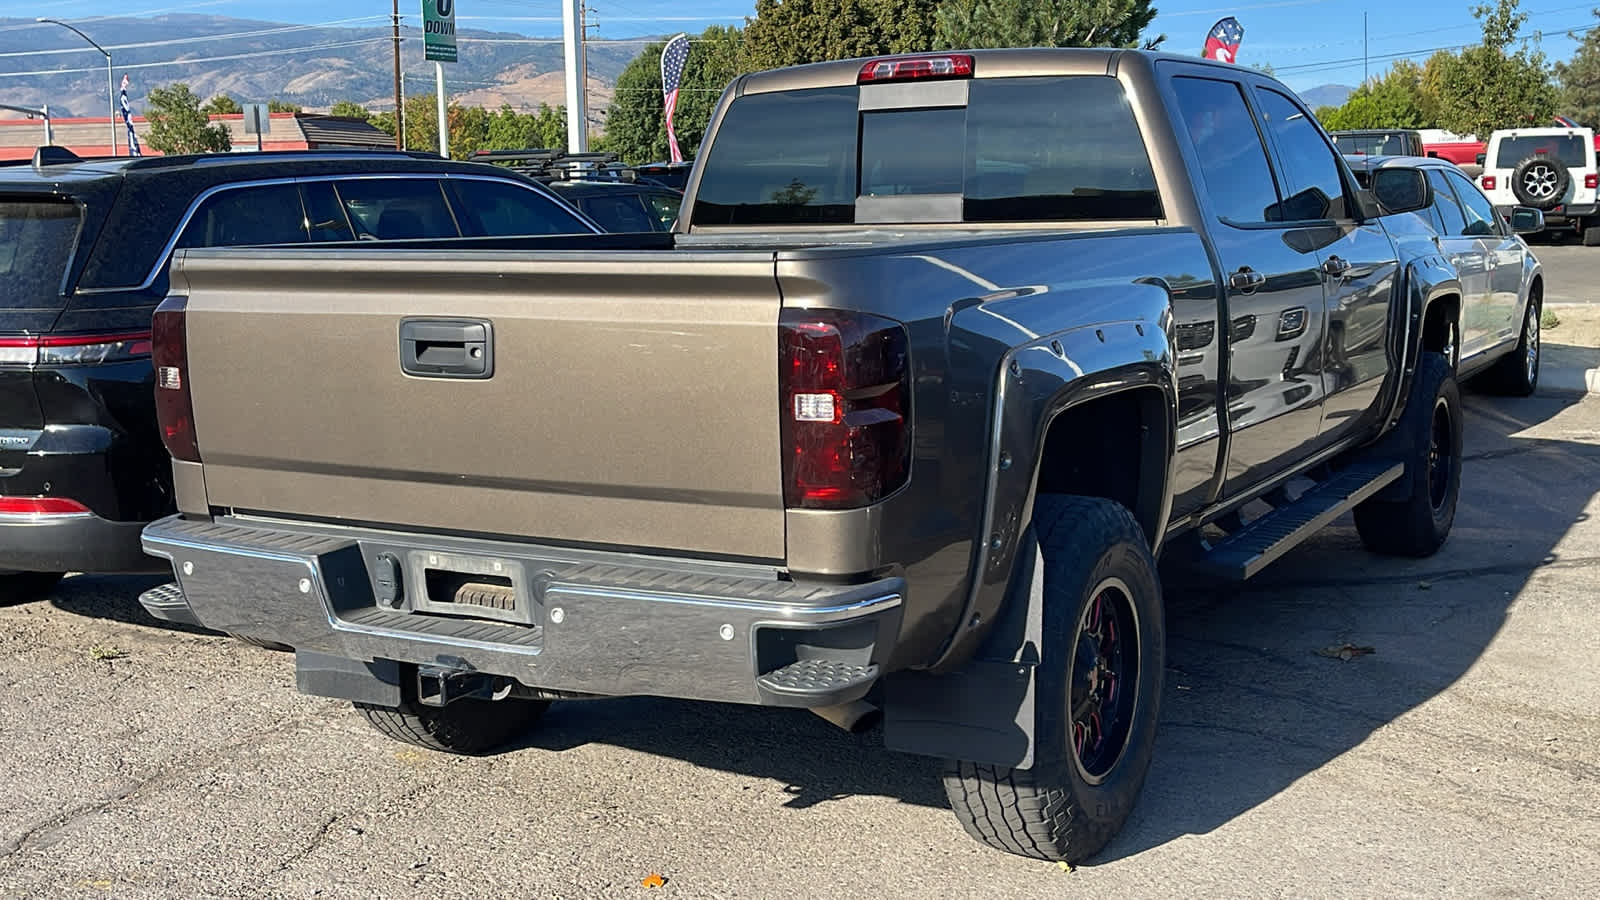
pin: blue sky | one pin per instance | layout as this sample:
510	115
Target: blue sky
1309	42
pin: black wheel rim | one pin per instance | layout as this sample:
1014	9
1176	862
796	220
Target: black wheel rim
1105	671
1441	455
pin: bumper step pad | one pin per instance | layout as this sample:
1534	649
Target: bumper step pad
167	604
820	680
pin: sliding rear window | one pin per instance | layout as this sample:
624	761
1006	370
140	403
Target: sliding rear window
36	243
1048	148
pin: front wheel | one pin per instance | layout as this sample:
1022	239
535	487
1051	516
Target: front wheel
1428	440
1099	691
1517	373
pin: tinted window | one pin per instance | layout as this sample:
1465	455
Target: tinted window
325	217
1055	148
782	158
1481	220
1022	149
1444	199
1232	159
623	213
396	208
1315	189
500	209
1567	148
238	217
36	242
665	208
901	152
1393	143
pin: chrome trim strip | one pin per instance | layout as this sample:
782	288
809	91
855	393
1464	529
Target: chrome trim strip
819	613
41	518
165	258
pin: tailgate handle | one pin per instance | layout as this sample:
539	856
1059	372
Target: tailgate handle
447	348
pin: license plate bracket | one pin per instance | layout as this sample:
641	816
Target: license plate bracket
469	586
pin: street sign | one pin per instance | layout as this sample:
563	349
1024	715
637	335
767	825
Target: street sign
257	118
439	30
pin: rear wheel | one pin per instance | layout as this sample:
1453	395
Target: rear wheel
1099	688
23	587
468	727
1428	440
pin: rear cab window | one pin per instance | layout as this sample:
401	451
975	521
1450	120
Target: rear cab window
1571	149
37	238
1023	149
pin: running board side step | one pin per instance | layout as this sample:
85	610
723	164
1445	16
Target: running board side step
1259	543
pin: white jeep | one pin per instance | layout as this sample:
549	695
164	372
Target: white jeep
1549	169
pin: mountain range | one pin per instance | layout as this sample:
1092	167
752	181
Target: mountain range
254	61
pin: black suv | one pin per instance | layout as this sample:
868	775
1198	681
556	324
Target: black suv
84	248
620	198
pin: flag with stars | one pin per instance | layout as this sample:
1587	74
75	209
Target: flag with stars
127	119
673	58
1222	44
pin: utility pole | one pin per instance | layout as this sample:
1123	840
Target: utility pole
1364	75
399	100
577	113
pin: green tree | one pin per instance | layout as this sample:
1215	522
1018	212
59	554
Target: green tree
221	105
177	125
544	129
1043	23
350	109
276	106
1400	99
636	127
1485	87
791	32
1580	80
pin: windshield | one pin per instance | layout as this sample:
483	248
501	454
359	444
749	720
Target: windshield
1022	149
36	241
1571	149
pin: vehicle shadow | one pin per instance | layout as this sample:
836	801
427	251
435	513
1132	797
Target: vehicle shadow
1250	706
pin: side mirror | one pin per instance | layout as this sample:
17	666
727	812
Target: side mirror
1401	190
1433	154
1482	158
1526	220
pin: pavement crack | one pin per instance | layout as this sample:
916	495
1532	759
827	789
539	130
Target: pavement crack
310	846
59	820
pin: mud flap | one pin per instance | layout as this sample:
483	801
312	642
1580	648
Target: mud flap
984	711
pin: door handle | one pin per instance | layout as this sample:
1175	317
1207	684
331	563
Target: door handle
447	348
1246	279
1335	266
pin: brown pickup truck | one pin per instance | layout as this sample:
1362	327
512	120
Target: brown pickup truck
943	354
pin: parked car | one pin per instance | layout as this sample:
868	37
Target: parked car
1378	142
1550	169
1501	280
944	352
620	206
1463	150
84	245
674	175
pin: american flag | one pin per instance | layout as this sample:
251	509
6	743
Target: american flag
673	58
1222	44
127	119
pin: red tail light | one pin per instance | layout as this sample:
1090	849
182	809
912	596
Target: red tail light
41	506
916	68
74	349
1591	180
1488	182
845	384
174	409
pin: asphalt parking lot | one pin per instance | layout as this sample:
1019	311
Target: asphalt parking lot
1573	270
1461	758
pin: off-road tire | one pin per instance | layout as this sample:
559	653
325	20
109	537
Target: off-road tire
1418	524
1052	811
466	727
25	587
1514	374
262	643
1563	181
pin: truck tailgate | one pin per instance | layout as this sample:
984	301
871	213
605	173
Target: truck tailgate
632	399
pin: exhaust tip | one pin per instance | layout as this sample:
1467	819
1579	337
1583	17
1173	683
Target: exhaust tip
855	717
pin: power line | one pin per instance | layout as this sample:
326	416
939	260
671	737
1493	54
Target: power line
192	40
201	59
1349	62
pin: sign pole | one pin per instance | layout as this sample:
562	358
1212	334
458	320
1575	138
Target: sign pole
444	119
